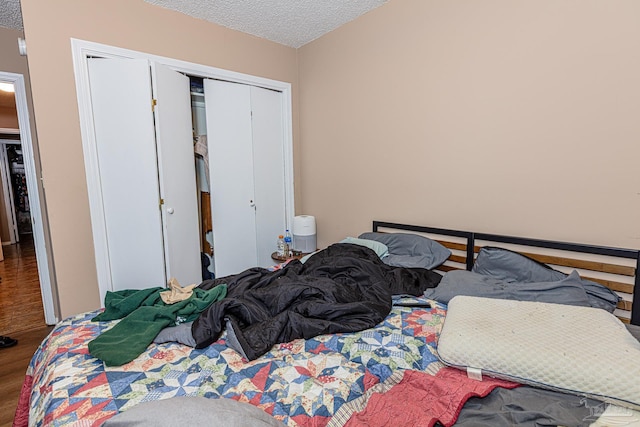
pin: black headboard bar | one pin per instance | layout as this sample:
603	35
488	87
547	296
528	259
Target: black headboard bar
635	308
525	241
564	246
419	229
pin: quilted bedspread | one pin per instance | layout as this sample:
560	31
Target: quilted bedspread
301	383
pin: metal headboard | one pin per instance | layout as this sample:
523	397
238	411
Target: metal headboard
472	237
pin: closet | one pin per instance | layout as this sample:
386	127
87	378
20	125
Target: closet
14	189
151	197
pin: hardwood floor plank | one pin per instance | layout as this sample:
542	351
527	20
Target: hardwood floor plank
21	306
13	366
21	318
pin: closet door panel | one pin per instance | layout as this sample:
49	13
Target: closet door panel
124	130
268	162
229	136
176	163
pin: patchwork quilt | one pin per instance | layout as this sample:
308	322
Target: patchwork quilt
301	383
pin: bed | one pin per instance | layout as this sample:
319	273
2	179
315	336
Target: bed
390	373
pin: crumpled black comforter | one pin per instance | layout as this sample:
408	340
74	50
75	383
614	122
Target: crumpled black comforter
344	288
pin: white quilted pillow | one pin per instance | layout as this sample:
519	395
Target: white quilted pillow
580	350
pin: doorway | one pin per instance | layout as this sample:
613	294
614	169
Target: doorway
16	217
32	197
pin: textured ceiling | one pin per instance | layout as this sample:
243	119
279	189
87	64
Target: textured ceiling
10	15
288	22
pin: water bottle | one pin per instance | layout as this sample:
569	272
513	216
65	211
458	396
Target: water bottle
288	243
280	251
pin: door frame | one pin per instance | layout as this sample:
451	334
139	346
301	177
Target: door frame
36	209
81	51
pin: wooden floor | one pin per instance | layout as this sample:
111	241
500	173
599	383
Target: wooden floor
21	318
20	298
13	365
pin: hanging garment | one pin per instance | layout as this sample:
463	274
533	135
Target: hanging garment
201	149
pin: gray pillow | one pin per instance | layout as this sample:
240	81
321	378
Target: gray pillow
194	412
511	266
410	250
461	282
181	333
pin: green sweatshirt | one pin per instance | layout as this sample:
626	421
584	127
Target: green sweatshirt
143	315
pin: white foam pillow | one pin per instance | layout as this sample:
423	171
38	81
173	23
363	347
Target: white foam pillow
580	350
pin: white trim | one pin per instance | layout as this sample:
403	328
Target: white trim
33	194
287	135
98	222
81	50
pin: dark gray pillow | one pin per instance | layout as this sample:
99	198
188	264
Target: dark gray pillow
193	411
461	282
511	266
410	250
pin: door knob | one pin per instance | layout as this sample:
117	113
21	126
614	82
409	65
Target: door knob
169	210
252	203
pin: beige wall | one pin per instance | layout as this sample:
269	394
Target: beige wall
12	62
510	117
497	116
132	24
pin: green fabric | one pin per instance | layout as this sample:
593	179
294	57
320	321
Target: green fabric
143	315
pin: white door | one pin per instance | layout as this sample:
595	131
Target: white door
176	163
229	136
268	170
126	152
148	189
246	160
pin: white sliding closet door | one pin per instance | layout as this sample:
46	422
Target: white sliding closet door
146	172
229	136
126	153
246	161
268	169
177	174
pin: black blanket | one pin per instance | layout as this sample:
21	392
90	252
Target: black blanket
344	288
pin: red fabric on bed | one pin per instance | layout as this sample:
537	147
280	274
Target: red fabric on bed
21	419
420	399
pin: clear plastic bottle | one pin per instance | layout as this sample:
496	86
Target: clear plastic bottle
288	242
280	251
